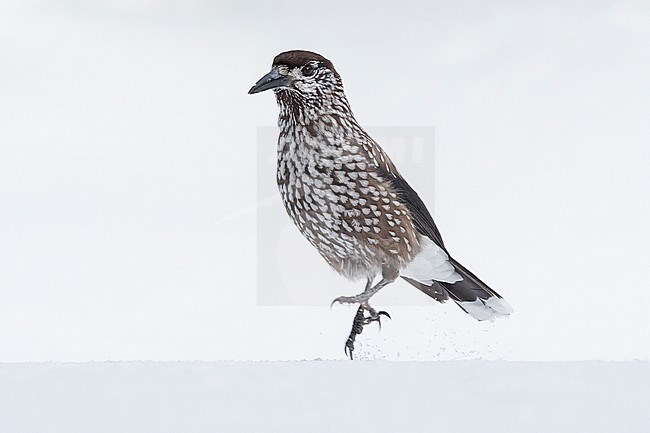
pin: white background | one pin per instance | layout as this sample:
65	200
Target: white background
128	142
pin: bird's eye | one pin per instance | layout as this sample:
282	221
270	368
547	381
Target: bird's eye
308	70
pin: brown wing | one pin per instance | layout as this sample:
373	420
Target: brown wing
421	217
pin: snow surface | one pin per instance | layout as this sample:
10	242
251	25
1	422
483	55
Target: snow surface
325	396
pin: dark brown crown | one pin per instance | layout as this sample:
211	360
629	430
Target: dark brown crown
298	58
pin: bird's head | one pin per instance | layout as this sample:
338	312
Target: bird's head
302	76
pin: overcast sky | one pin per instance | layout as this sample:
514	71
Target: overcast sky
130	165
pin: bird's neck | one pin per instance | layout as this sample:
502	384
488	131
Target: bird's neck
299	112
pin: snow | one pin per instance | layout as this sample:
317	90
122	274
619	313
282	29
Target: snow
325	396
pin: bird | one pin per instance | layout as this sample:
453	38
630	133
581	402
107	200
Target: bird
347	197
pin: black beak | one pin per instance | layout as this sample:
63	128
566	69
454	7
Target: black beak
270	81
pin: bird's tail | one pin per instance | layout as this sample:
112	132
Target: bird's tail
471	294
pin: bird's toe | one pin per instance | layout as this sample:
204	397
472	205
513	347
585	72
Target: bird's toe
344	300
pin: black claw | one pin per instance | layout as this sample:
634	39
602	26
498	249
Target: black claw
378	318
349	348
383	313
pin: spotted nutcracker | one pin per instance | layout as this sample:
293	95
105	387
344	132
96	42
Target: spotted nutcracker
349	200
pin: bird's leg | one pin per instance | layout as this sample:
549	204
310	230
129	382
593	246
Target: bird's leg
357	328
358	322
388	276
360	319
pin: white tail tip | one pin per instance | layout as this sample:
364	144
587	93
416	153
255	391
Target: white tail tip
488	309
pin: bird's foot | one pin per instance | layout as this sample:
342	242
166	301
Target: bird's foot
361	298
360	320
